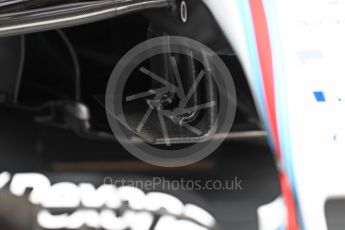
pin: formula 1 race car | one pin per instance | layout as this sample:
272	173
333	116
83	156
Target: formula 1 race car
83	83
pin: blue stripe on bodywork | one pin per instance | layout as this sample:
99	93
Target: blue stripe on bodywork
248	26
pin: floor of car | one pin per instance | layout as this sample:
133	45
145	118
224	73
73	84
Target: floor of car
27	146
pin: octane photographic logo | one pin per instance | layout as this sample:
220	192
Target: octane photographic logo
170	101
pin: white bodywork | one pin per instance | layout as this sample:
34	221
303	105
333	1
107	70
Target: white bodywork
308	47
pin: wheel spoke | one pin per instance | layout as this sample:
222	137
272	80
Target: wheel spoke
147	93
179	90
192	129
195	108
164	128
144	119
154	76
191	91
